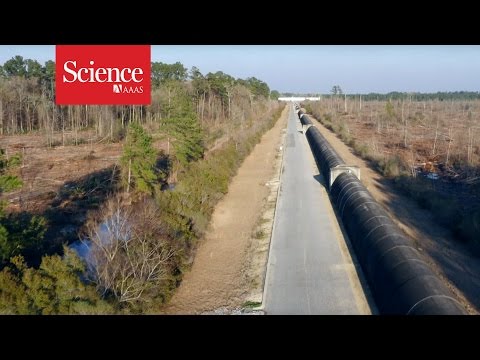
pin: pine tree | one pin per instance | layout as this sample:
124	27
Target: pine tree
54	288
188	138
19	232
138	160
183	125
8	181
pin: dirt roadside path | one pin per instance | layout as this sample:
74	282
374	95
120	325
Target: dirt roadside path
217	278
449	259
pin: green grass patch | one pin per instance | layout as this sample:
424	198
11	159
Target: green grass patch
259	234
251	304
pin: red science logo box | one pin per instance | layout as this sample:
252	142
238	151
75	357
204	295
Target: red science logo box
102	75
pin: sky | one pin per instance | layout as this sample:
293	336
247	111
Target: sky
316	68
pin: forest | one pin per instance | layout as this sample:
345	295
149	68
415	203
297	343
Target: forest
102	206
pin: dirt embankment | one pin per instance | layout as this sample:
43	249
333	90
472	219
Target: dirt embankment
450	260
219	277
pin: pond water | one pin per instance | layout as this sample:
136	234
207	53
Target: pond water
115	227
82	248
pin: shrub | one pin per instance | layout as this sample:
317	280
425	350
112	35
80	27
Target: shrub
362	150
390	167
9	182
469	230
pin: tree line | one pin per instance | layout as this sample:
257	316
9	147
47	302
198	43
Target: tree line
27	91
416	96
396	95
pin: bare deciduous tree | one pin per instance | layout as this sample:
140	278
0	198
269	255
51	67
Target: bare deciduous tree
129	253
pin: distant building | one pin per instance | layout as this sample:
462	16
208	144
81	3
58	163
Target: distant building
298	99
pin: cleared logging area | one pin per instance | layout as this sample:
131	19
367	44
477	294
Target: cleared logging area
431	149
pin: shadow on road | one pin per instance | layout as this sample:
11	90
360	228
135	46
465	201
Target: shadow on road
321	180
